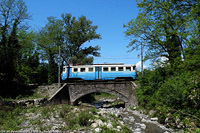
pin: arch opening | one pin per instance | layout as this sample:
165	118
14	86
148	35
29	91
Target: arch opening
102	99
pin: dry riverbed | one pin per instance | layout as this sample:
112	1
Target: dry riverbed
67	118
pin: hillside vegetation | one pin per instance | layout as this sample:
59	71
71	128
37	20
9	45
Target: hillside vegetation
170	34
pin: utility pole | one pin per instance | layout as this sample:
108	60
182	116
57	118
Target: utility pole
142	59
59	68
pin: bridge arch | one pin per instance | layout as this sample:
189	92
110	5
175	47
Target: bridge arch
72	91
115	93
124	90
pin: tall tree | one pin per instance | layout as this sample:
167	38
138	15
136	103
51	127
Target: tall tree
49	39
28	64
76	33
12	14
193	49
70	34
162	26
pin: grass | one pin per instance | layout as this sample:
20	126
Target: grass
104	95
71	117
11	118
33	96
77	119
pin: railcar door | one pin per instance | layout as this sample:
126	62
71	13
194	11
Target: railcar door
98	73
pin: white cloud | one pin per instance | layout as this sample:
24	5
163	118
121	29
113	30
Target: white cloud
162	60
138	66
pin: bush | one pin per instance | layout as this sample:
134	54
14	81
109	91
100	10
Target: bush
84	117
176	91
149	84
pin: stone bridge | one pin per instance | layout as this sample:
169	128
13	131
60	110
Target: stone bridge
124	90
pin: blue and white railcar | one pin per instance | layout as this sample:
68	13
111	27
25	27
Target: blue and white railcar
99	72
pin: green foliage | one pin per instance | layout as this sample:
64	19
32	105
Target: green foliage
13	13
77	32
176	94
149	84
125	129
76	118
169	29
107	130
9	118
49	39
29	57
84	117
163	27
65	110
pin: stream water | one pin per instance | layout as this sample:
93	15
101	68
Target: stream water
136	121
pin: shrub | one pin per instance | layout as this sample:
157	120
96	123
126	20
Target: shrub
83	119
175	92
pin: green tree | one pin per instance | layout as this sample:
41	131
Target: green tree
28	64
161	26
76	33
192	51
169	28
12	15
48	41
70	34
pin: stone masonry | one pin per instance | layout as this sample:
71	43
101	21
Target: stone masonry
125	90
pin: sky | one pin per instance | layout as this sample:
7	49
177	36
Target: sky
108	15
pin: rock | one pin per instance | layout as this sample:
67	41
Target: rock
143	126
125	119
97	129
99	122
75	109
117	114
90	120
143	120
154	119
137	130
36	102
119	127
131	119
94	125
54	128
121	122
109	125
96	116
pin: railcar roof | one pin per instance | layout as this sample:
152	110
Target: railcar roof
118	65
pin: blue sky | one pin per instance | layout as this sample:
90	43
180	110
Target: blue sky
108	15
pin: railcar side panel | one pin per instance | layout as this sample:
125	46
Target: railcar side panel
97	74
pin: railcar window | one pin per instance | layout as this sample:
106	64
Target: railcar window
75	69
105	69
128	68
120	69
90	69
82	69
113	68
134	67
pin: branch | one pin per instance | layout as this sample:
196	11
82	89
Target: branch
185	113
